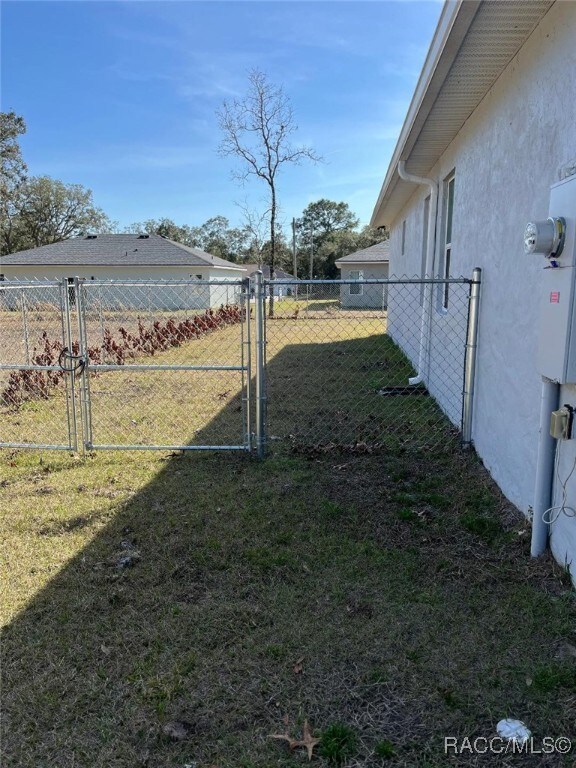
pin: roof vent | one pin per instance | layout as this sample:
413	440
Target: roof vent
143	237
91	237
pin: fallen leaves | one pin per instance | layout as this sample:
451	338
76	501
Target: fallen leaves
308	741
177	730
129	555
566	652
320	449
292	743
298	666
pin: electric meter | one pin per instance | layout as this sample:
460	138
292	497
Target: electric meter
545	237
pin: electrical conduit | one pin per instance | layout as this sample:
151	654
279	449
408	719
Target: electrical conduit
544	467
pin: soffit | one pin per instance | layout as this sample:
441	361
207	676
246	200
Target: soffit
495	34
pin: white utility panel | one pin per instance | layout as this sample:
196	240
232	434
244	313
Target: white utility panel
557	343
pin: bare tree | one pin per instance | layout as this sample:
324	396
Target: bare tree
257	130
255	225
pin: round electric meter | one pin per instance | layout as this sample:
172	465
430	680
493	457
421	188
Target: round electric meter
545	237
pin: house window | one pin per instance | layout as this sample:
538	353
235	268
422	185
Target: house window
355	290
447	239
425	222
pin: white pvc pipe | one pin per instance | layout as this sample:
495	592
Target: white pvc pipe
544	467
429	269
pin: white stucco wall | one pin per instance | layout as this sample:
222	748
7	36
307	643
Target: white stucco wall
506	157
173	297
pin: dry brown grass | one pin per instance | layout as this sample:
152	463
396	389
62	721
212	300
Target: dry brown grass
401	579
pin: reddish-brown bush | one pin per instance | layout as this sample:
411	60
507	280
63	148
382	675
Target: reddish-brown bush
158	337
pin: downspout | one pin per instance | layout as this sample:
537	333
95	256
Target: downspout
544	467
429	270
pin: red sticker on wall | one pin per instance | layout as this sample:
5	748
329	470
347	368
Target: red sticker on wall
555	297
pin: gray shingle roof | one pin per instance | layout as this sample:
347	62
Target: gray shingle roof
116	251
378	252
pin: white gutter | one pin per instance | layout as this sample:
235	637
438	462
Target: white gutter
425	321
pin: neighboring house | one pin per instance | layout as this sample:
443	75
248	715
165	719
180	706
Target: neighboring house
279	274
129	257
493	124
361	265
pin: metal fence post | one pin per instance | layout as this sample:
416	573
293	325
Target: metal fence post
70	377
260	375
470	359
246	334
85	404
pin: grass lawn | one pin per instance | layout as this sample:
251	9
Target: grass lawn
167	610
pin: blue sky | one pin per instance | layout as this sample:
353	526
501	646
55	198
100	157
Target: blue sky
121	96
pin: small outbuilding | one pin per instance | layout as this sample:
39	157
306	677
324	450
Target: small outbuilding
279	274
371	262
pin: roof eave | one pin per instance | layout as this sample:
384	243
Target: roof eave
124	265
454	22
340	262
232	266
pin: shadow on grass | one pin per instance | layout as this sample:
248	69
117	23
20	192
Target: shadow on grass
349	392
238	570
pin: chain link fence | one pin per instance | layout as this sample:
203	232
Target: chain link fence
332	365
124	365
362	365
36	401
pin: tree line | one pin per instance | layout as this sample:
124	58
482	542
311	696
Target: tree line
39	210
325	232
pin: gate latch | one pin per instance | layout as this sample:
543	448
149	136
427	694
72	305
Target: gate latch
77	362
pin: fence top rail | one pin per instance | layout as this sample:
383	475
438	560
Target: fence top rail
162	283
41	283
18	284
377	281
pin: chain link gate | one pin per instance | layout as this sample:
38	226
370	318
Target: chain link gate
171	365
116	362
172	356
36	326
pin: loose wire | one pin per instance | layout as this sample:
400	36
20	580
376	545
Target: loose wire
552	514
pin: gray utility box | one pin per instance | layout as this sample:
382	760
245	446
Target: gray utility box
557	344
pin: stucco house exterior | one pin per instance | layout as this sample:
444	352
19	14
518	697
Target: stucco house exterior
125	257
490	129
371	262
